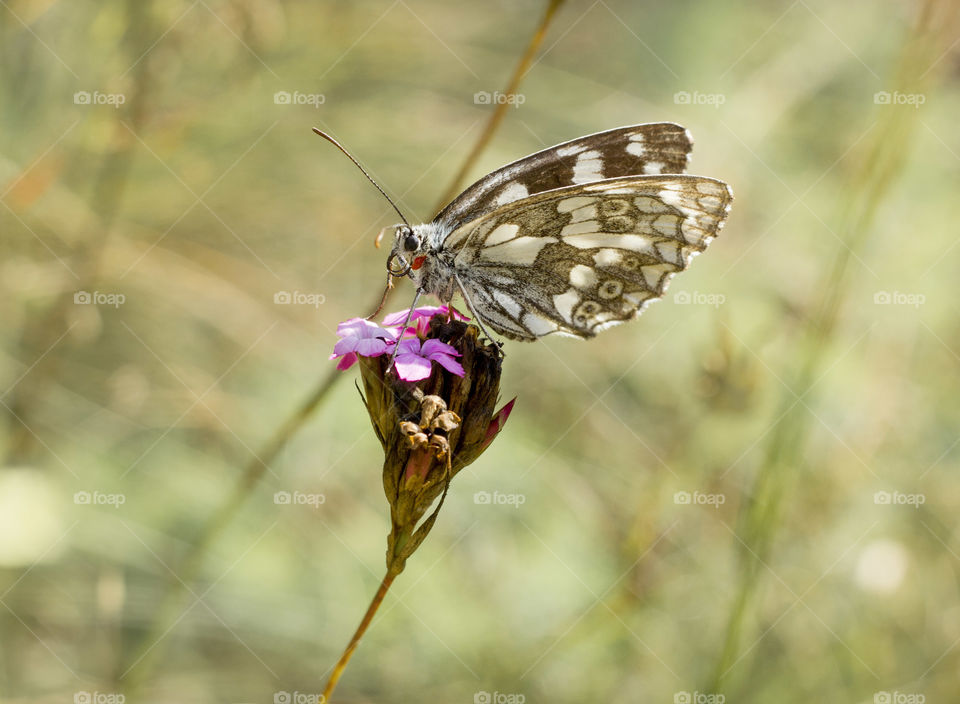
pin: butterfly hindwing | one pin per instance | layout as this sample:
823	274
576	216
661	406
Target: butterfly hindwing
577	260
654	148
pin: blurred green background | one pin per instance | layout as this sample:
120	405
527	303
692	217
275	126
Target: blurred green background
746	494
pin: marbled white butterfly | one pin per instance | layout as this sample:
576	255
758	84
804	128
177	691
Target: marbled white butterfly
571	240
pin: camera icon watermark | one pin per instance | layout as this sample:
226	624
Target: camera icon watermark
85	97
483	697
898	498
898	298
98	298
98	498
497	498
285	97
298	698
299	298
684	97
697	298
698	698
298	498
884	97
497	98
899	698
698	498
98	698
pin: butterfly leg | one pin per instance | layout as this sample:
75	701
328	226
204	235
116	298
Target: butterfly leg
403	329
477	318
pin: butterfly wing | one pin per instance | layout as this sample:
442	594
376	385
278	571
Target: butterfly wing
580	259
654	148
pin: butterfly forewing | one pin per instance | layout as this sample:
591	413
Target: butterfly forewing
579	259
655	148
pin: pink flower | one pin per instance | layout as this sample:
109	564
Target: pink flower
498	421
413	359
420	318
359	336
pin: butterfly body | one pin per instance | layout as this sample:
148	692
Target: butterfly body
573	239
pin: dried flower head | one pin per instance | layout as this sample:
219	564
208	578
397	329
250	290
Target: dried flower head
433	428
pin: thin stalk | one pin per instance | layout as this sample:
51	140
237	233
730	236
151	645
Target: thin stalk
501	109
148	648
760	519
355	641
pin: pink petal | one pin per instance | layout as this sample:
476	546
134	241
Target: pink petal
448	363
370	348
410	345
498	421
347	344
431	347
411	367
398	318
347	327
347	361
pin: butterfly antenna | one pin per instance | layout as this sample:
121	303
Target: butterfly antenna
357	164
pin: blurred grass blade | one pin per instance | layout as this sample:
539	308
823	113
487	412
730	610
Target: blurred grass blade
784	453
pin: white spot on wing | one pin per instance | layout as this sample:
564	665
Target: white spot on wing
636	148
635	243
537	325
587	212
647	204
570	150
588	168
501	234
565	302
583	276
568	204
522	250
508	303
513	191
653	167
666	225
607	257
578	228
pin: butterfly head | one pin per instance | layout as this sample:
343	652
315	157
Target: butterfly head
408	252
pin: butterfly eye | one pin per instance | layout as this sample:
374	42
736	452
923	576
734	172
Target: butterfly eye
411	243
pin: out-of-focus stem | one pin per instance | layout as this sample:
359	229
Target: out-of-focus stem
147	650
759	521
500	110
355	641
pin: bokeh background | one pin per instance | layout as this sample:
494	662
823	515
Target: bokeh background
749	494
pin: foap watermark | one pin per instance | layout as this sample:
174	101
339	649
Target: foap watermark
884	97
684	97
698	498
898	498
298	698
899	698
98	498
85	97
285	97
298	498
497	98
698	698
98	298
697	298
483	697
299	298
98	698
899	298
497	498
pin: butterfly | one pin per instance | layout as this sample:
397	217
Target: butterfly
570	240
